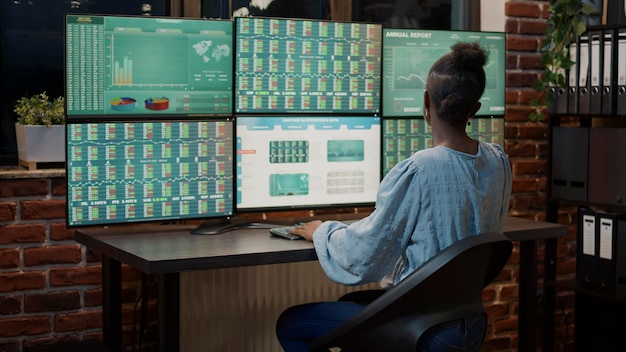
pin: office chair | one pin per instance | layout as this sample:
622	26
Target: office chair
447	287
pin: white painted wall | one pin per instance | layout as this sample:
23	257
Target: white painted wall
492	15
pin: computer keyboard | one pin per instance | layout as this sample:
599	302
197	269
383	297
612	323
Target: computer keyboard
283	232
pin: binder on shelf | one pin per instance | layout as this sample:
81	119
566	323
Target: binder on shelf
620	259
559	94
597	253
586	248
621	73
571	101
583	75
608	90
596	64
605	261
553	108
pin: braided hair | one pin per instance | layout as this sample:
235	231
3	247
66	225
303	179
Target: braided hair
456	82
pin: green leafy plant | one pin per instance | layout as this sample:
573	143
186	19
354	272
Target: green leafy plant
566	22
40	110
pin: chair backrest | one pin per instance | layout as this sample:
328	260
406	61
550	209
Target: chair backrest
447	287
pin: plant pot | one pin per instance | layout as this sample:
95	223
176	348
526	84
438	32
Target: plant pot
40	144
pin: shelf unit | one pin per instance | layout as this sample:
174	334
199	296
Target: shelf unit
587	169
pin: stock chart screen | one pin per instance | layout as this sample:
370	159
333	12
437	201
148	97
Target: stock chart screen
403	137
123	172
133	66
306	66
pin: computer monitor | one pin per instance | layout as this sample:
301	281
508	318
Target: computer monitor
125	66
129	172
408	55
306	66
403	137
291	162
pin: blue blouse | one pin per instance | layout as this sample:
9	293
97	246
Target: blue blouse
425	203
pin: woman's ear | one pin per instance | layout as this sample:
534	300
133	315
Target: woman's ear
426	105
476	108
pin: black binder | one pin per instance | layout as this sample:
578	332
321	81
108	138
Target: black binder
621	73
586	248
572	81
596	64
584	87
552	107
620	260
597	250
606	240
560	100
608	73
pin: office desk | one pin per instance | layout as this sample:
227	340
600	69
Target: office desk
166	251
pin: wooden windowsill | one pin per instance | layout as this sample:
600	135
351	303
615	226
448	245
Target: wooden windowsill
17	172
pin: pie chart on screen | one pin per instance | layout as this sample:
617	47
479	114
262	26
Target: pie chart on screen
158	104
123	104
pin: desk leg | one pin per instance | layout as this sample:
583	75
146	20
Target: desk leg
549	293
527	296
111	303
168	303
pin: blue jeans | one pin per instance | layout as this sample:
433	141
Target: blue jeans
301	324
456	335
297	326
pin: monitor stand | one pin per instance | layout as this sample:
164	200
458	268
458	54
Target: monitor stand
215	227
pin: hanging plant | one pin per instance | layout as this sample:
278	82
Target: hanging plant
566	22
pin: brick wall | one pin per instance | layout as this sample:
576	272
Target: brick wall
50	285
527	146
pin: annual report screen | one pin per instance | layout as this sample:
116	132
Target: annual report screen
408	55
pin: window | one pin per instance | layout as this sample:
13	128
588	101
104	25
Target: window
267	8
427	14
31	43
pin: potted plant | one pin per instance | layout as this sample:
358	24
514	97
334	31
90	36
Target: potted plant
40	130
567	20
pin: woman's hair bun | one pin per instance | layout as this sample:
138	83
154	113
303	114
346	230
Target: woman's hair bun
469	56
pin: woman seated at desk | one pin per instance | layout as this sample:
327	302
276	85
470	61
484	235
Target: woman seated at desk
459	188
